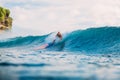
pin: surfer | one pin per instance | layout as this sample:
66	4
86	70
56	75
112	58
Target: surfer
58	35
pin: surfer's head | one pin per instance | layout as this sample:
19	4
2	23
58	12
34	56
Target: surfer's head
59	35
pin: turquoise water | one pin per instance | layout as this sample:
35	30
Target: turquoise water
91	54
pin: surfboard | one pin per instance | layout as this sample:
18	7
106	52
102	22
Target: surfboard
42	46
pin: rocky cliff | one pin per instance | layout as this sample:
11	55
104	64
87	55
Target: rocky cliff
5	19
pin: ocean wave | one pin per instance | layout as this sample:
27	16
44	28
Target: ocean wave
21	41
104	39
101	40
23	64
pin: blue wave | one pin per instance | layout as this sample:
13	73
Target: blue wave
23	64
22	41
101	40
104	39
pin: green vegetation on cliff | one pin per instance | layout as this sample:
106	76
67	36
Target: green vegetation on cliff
5	19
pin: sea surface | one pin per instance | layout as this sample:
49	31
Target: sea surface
90	54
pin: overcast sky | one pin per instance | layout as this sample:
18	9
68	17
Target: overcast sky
63	15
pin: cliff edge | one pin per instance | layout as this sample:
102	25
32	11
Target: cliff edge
5	19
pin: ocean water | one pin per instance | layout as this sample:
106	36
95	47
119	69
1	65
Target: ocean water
90	54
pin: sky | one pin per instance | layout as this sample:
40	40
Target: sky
45	16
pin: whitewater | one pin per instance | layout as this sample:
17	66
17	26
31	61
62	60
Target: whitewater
90	54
